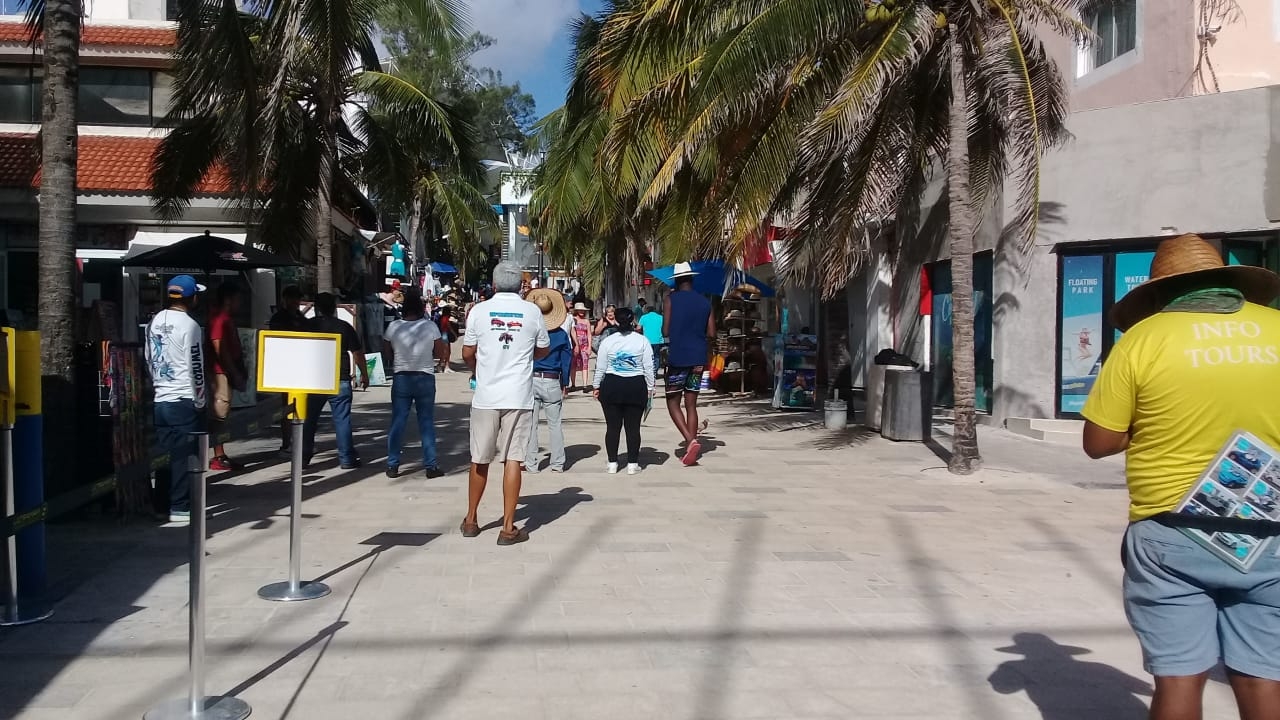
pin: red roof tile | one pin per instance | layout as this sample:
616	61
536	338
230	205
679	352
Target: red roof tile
107	164
104	35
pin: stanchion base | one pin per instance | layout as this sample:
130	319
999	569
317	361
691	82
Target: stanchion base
281	592
215	708
26	613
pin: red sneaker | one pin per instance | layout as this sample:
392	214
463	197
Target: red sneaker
221	464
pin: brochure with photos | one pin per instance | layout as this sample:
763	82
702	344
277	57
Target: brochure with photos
1244	482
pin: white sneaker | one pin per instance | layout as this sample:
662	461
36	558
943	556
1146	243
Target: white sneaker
633	469
611	468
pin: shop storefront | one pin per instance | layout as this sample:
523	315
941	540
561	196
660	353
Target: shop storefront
1092	278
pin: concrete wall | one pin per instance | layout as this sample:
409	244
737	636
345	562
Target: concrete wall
1199	164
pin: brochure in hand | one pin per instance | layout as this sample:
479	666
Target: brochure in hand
1244	482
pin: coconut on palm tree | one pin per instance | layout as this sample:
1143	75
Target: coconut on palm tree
725	117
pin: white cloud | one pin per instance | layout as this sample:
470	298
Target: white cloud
524	31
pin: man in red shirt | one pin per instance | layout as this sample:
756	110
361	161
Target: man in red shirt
227	360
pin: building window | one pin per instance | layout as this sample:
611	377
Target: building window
115	96
19	94
1115	28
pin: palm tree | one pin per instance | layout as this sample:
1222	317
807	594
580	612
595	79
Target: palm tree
437	185
752	112
57	23
576	209
276	100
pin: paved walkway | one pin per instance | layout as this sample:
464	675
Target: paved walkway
793	574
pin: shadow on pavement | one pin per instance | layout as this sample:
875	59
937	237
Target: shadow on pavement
537	511
1064	688
121	564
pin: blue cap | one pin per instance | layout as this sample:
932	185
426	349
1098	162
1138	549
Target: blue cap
184	286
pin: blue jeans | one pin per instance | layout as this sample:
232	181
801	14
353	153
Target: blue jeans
340	407
407	390
175	421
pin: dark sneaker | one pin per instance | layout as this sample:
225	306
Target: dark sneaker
515	537
351	465
434	473
393	471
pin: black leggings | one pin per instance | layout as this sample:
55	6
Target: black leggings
623	400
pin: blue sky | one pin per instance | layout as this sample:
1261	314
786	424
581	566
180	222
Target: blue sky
532	42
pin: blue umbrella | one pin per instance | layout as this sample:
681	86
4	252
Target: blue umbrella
713	278
443	268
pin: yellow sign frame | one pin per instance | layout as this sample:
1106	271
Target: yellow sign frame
298	396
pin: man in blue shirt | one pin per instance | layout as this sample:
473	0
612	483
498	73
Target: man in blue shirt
651	326
687	324
551	378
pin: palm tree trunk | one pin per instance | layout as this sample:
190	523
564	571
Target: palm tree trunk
324	201
416	239
964	449
58	237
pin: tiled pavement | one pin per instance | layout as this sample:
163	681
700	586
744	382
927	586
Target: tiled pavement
793	574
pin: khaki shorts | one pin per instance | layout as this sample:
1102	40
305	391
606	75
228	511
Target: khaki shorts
500	435
221	405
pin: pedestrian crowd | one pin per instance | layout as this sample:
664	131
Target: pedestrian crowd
525	348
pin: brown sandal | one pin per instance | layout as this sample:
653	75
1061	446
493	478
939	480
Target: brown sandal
470	530
514	537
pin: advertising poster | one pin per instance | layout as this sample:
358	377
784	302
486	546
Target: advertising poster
1132	269
1081	340
1242	482
799	371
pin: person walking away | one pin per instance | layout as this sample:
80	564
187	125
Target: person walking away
641	307
229	372
504	338
1198	362
415	348
581	346
623	385
175	357
550	379
651	325
327	321
288	318
687	324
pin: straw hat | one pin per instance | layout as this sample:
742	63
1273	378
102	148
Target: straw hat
580	307
683	269
551	303
1180	258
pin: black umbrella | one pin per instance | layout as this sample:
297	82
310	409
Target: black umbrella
207	253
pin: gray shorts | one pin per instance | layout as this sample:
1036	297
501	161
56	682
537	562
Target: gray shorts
501	435
1190	609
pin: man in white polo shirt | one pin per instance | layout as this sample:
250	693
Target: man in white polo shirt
504	336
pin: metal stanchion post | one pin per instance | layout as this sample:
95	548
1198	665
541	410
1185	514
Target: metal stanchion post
17	611
294	589
197	705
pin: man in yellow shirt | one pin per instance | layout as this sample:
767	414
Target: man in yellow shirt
1199	361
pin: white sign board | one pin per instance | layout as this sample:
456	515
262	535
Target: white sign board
299	362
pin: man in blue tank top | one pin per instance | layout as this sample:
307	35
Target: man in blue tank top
687	325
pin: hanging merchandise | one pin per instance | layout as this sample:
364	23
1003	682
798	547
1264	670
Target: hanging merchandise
717	367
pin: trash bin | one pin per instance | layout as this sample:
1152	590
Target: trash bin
907	413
